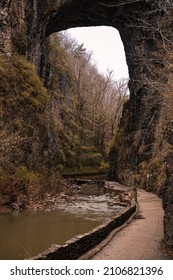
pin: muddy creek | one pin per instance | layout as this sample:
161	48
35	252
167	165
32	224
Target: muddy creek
23	235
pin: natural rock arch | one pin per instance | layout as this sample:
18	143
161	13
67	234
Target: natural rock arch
145	27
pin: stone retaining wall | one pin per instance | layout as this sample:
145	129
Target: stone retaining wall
81	244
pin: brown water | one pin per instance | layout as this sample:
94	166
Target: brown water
23	235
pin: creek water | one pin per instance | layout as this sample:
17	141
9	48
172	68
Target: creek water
23	235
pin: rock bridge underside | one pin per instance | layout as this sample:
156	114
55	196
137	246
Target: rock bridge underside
143	146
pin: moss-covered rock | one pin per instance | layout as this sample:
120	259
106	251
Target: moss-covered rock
26	156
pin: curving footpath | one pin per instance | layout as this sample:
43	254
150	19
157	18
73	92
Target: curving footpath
141	239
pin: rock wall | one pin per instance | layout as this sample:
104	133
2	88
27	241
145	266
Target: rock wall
146	30
5	26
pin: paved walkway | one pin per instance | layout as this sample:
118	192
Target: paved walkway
141	239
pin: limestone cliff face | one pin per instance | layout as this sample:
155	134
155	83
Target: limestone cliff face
143	145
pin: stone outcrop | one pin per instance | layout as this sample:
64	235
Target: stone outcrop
145	27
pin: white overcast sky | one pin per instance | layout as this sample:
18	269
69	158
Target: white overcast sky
107	47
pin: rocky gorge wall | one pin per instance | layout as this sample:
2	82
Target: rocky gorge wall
143	148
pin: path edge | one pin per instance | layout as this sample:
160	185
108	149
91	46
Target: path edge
88	255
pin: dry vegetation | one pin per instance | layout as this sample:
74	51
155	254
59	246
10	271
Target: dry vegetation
66	127
23	172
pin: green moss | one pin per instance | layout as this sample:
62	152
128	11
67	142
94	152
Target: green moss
20	76
23	100
104	166
23	174
22	93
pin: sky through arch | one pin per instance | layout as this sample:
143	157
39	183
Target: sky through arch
107	47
